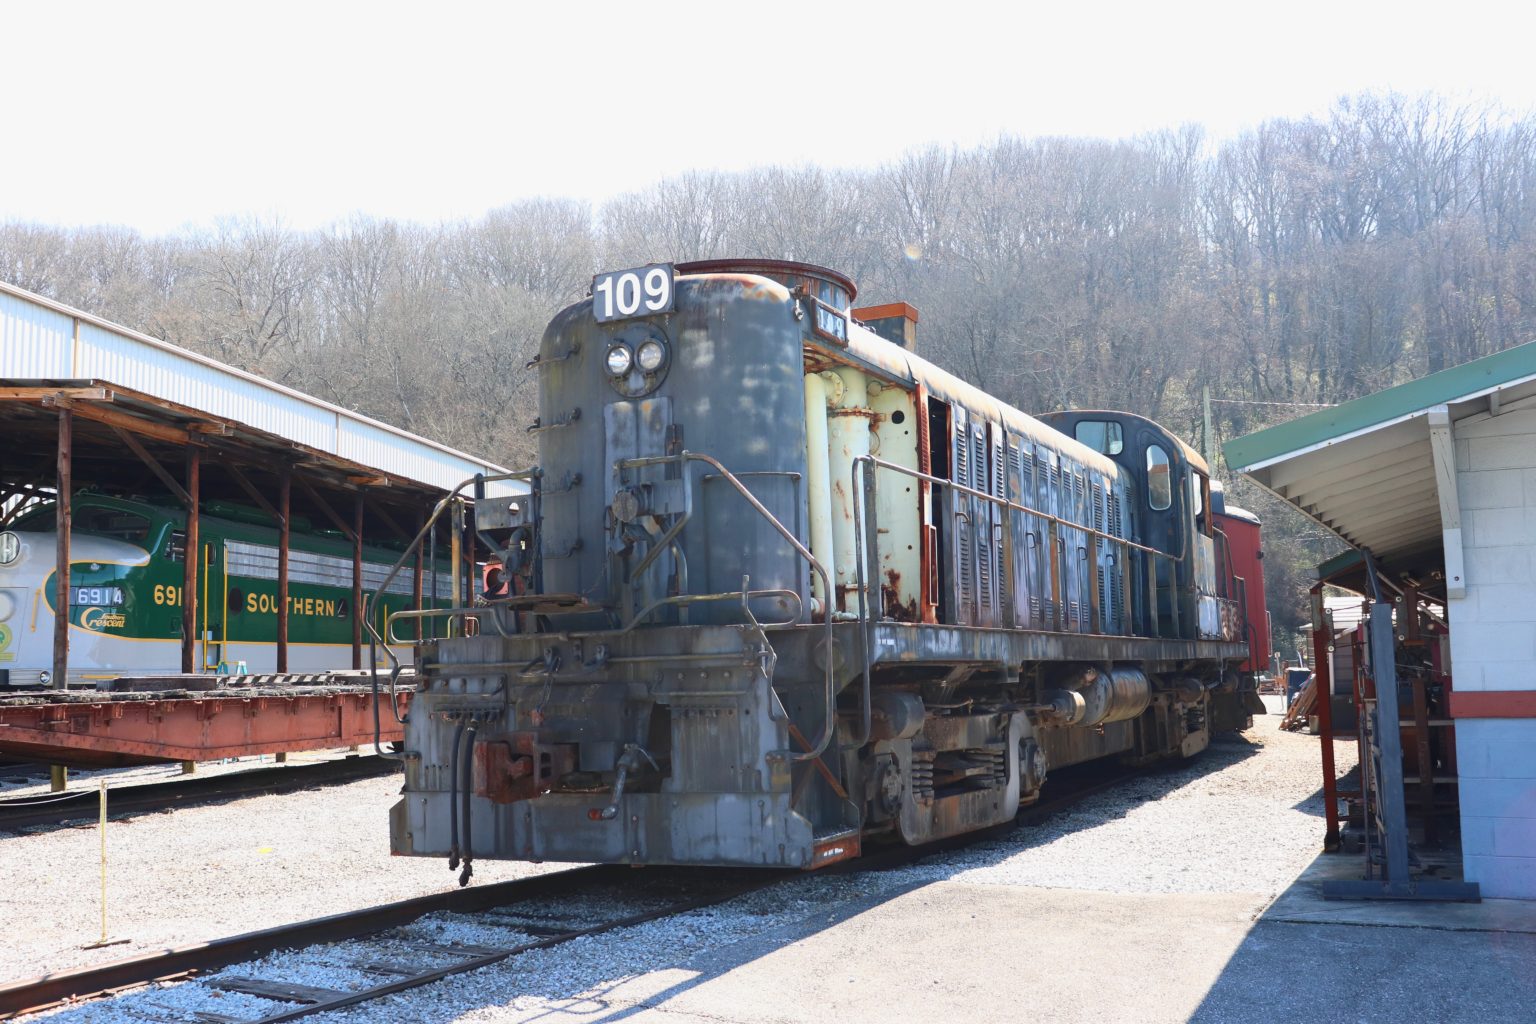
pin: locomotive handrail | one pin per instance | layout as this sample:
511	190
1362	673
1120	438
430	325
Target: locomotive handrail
829	722
880	463
479	480
414	614
1052	520
375	640
726	595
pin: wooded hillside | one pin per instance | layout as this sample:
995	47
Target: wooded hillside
1306	263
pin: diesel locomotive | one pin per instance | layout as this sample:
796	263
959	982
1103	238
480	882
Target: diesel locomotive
781	588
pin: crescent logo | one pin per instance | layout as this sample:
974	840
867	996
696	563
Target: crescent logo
98	619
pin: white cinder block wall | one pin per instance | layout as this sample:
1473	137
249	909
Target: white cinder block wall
1493	647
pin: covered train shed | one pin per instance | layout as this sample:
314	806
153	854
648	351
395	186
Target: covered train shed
1433	483
90	410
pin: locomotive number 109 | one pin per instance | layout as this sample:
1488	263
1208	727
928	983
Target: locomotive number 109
644	291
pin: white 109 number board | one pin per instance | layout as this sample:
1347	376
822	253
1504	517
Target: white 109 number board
643	291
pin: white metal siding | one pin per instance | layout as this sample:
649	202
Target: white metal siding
34	340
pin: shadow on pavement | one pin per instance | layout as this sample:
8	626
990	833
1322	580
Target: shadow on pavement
1311	959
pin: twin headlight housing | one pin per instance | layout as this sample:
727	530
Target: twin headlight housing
649	357
636	365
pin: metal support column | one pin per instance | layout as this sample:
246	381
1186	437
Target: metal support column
1322	662
63	522
1384	793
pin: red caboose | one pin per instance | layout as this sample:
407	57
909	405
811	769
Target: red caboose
1244	566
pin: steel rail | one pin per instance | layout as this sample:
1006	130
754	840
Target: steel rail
143	798
184	961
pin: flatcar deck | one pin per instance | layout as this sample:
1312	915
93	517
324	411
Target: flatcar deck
191	718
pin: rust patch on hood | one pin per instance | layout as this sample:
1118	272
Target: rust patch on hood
890	599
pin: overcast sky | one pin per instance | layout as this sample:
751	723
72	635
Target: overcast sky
162	115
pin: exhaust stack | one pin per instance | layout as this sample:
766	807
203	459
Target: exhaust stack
896	322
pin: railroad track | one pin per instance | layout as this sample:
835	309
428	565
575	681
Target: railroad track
387	949
381	942
143	798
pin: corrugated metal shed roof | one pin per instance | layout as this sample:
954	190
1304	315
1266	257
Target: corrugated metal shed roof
1366	469
46	342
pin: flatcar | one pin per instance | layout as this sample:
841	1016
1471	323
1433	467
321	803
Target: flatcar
125	592
783	588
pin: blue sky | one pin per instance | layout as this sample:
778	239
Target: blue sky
164	115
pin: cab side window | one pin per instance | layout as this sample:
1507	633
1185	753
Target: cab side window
1159	482
1101	435
1197	496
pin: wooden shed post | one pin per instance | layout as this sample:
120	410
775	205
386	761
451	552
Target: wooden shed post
190	555
284	539
63	522
357	582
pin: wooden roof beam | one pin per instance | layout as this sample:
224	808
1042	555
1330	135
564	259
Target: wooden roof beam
36	394
153	464
131	424
251	490
325	506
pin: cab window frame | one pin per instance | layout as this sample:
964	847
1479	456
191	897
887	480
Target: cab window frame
1111	432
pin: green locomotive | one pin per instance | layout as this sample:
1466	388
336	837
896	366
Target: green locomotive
126	592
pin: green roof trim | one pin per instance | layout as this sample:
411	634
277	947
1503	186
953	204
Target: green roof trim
1345	560
1403	400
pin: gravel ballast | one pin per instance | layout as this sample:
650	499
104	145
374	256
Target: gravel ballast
205	872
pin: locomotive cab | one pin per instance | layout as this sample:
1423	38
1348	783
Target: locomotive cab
1172	513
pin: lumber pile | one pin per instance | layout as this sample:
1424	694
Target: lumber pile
1301	707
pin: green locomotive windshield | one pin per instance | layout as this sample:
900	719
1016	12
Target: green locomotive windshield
114	523
92	519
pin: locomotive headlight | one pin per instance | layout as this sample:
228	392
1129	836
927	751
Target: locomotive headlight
619	360
637	359
10	547
650	355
